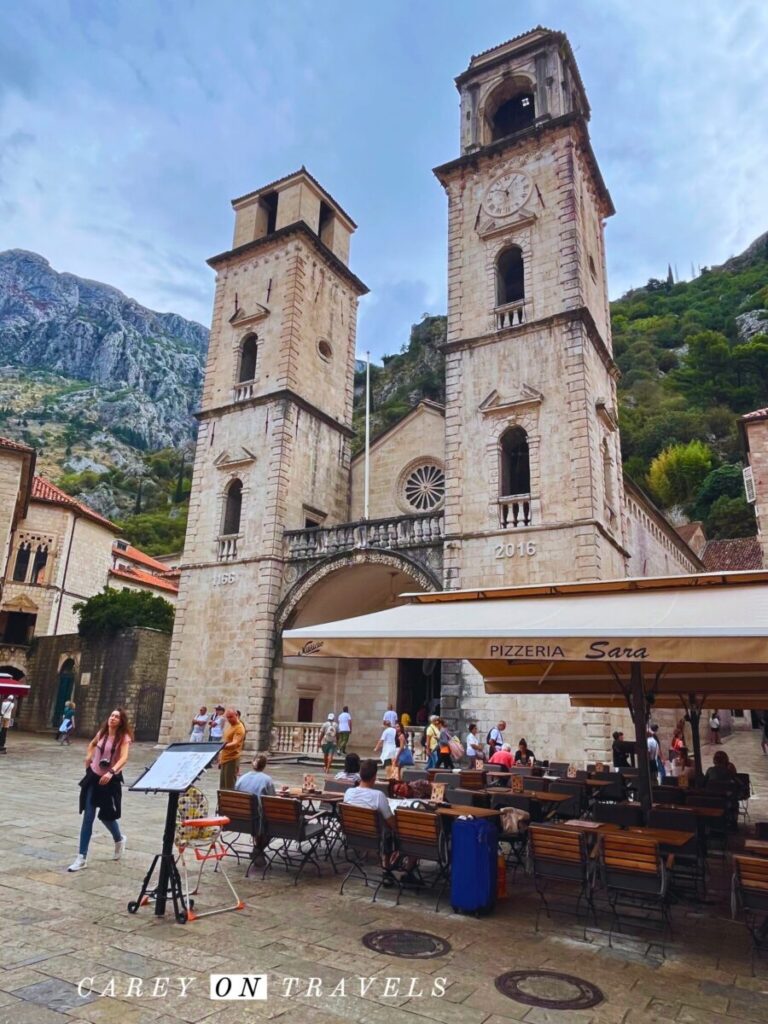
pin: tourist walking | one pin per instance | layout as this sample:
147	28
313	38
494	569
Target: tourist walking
7	712
620	756
67	723
229	757
345	728
390	716
327	740
654	752
714	728
101	786
387	747
404	754
444	759
433	734
199	723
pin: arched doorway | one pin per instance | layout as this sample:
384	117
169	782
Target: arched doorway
343	586
64	690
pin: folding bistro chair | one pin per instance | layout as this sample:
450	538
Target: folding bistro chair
636	876
749	893
560	858
362	832
244	814
420	835
297	836
200	834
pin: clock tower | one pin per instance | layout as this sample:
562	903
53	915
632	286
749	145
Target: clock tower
534	489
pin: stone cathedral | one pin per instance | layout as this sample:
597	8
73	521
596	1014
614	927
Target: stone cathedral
516	480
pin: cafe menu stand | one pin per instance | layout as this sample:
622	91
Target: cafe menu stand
179	766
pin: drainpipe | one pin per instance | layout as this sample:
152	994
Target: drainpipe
64	578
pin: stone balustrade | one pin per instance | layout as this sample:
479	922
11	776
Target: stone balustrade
227	547
402	532
244	390
515	510
303	738
512	314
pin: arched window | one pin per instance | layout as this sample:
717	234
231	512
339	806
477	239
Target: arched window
510	279
38	566
248	353
232	508
512	115
515	475
22	562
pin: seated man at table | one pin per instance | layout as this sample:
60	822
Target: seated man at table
503	758
722	771
366	795
257	782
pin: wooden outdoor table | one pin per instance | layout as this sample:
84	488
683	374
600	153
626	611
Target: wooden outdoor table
461	812
325	798
757	846
700	812
663	836
590	827
594	782
545	798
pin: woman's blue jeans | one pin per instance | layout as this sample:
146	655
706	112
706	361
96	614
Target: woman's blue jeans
86	829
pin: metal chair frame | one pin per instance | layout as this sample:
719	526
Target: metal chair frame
296	834
635	876
362	831
559	858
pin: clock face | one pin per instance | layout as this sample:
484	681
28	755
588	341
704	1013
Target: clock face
507	194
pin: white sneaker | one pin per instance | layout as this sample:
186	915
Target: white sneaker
120	848
78	863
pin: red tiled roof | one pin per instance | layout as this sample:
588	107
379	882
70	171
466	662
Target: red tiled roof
738	553
44	490
688	530
133	554
14	446
758	414
147	578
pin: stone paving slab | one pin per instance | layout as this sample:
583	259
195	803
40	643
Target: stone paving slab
57	929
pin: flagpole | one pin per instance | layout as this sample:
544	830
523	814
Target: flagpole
367	432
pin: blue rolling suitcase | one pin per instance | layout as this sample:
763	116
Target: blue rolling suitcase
474	861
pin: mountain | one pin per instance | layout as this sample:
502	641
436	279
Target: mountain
138	372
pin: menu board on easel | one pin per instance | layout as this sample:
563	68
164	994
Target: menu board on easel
177	768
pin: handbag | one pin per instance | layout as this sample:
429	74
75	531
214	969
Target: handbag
456	748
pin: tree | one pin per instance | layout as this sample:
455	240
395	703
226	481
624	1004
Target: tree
679	471
113	610
723	482
730	517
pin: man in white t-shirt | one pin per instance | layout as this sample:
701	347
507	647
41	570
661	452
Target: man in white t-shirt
345	728
365	795
218	721
199	723
654	750
390	716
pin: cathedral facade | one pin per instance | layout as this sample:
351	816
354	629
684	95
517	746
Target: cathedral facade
516	480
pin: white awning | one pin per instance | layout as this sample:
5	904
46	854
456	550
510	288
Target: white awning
567	638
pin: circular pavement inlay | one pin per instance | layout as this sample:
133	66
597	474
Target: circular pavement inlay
549	989
412	945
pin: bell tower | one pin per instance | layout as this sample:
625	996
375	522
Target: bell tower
273	445
533	480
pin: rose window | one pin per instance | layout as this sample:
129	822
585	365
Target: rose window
425	488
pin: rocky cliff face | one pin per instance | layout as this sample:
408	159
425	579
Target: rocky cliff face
146	368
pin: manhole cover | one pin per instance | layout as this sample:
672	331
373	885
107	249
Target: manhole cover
413	945
549	990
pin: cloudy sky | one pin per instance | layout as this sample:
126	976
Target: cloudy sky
126	126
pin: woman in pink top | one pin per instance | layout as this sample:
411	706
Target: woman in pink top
100	787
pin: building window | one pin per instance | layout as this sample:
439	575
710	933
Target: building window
424	487
248	353
510	277
22	562
324	350
512	115
610	491
515	463
232	508
38	566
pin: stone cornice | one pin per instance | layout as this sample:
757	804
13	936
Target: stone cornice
581	313
298	228
444	172
284	395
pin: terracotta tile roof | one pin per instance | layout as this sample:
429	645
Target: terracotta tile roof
147	578
758	414
14	446
44	490
687	530
133	554
739	553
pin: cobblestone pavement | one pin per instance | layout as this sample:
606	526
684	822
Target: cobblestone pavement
58	928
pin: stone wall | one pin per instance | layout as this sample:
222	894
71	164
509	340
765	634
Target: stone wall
756	435
125	670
